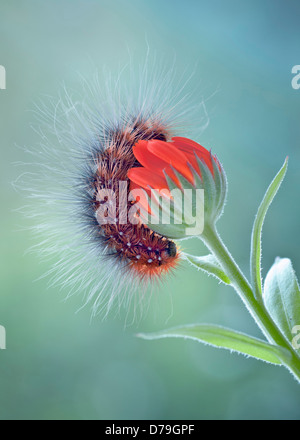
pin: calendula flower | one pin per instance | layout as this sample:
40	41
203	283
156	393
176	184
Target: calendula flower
186	181
115	188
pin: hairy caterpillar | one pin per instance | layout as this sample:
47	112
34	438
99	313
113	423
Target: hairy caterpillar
86	146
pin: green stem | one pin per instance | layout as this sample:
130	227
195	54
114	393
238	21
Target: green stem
256	308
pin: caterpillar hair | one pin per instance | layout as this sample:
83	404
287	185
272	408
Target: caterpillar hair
87	140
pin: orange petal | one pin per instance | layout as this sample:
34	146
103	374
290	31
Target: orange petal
172	155
188	147
152	162
147	159
145	178
192	159
189	144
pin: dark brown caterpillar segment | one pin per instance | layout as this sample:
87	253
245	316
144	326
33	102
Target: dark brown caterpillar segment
145	251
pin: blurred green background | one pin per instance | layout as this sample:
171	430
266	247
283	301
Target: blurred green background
59	364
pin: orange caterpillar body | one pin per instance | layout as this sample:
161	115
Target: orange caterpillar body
142	250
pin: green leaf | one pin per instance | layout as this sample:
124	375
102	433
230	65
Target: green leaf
221	337
282	297
255	258
208	264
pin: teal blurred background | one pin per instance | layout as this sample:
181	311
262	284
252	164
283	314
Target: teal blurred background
59	364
